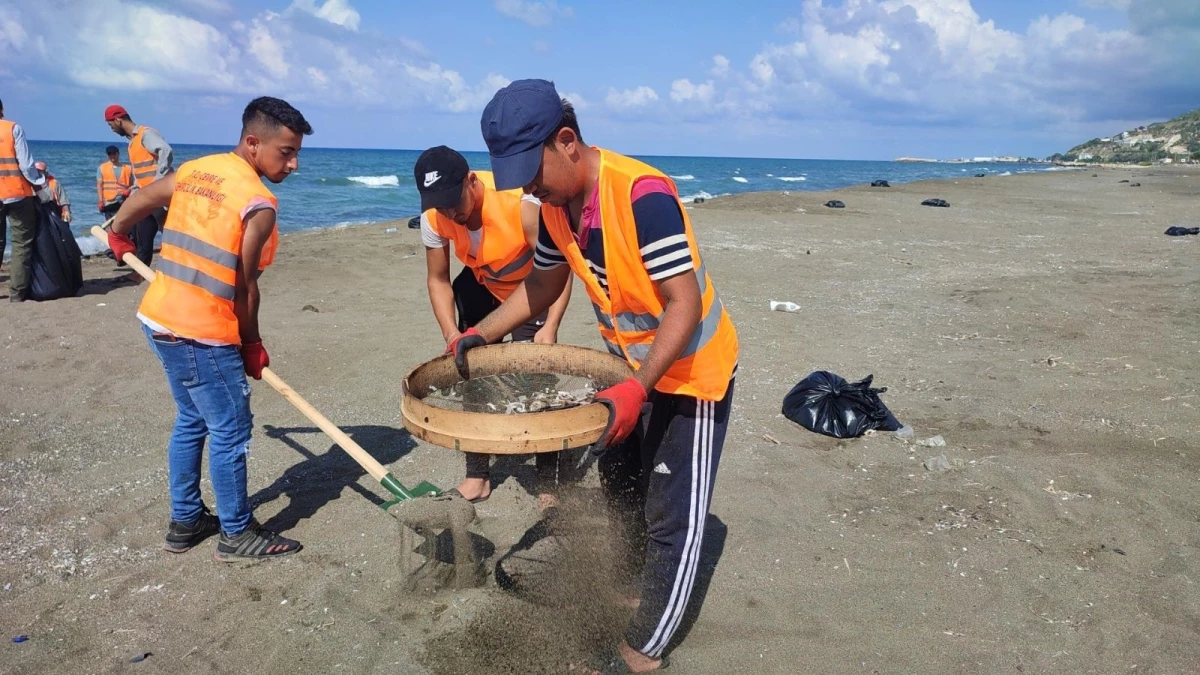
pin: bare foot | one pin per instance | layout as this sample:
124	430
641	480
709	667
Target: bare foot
475	488
636	661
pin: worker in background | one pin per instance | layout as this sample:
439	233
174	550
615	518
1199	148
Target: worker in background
113	183
57	193
200	316
20	184
152	159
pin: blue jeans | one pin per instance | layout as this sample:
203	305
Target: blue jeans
213	400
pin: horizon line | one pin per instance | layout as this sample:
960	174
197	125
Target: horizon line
635	154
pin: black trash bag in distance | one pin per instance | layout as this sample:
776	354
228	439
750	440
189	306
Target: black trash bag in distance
57	260
827	404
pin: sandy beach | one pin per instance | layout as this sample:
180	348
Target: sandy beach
1043	325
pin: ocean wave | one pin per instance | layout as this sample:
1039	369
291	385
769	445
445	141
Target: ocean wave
376	181
740	179
1006	173
792	179
691	198
686	176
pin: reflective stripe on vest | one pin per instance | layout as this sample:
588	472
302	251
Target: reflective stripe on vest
145	164
13	182
193	276
630	309
112	182
503	258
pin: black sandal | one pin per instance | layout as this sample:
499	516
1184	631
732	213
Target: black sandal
256	543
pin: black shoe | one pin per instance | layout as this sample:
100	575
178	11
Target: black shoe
18	297
255	542
181	538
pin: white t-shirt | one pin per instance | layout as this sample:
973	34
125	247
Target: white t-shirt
434	240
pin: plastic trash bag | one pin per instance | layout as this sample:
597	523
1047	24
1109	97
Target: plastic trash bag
1176	231
827	404
57	260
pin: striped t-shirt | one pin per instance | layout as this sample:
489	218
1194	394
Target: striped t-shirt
660	232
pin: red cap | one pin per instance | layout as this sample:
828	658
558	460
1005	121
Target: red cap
113	112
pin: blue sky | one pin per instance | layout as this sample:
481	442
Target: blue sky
845	79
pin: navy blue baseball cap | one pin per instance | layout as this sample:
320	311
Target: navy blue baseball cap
515	124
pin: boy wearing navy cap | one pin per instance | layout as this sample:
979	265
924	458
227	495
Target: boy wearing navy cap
619	226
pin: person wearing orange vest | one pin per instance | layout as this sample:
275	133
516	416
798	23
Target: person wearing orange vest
57	194
618	224
493	235
151	158
200	317
20	183
114	181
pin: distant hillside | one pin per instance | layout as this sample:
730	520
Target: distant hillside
1177	140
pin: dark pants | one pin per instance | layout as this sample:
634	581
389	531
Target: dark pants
474	302
660	480
143	235
110	210
22	220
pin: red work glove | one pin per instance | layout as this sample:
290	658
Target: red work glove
468	339
255	358
100	207
624	402
120	245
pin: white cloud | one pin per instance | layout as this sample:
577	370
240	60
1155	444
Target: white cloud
720	66
337	12
266	49
285	54
684	90
939	61
630	98
537	13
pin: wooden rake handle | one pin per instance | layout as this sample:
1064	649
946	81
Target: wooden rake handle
365	460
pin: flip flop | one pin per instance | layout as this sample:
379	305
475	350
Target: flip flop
453	492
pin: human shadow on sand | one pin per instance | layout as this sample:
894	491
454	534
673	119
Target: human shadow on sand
321	478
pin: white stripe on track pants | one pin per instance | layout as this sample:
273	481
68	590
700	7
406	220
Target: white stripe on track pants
665	471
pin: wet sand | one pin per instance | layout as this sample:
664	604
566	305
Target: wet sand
1043	325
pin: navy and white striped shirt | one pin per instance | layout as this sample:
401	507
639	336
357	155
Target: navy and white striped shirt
660	233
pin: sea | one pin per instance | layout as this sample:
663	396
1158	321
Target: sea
341	187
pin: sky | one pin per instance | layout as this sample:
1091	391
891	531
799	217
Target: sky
830	79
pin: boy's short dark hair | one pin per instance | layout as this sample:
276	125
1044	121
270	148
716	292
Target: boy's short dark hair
112	150
568	121
272	113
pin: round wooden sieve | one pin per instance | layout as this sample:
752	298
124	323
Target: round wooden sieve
496	433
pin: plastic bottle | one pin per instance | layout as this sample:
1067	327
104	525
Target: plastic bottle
784	306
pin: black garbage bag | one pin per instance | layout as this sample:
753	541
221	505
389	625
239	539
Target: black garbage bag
57	260
414	223
1176	231
827	404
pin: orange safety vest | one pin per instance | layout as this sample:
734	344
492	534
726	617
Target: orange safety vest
113	180
504	258
145	164
52	188
193	292
13	183
628	315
